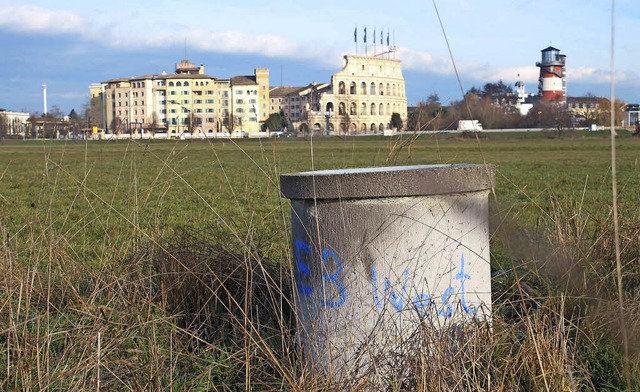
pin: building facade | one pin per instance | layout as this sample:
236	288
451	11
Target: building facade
13	123
361	98
187	102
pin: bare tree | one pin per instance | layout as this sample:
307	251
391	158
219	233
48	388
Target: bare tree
4	125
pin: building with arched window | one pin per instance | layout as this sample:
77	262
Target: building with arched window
185	102
361	98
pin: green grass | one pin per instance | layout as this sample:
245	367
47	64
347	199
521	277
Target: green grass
88	229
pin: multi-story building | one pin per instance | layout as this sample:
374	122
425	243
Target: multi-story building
295	103
360	98
13	123
188	102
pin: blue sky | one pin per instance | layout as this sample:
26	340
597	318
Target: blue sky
71	44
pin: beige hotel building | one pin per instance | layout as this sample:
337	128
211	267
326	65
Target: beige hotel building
361	98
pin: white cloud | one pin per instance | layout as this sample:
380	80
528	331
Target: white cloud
423	61
27	18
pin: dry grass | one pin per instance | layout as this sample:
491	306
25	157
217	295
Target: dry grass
94	298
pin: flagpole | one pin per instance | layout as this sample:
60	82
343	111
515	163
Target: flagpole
374	41
366	46
355	38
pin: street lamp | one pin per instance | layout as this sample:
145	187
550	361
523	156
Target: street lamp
327	116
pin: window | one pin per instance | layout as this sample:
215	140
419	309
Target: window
380	91
178	84
170	84
239	92
209	92
186	84
239	101
239	110
185	101
252	101
352	109
372	89
352	88
373	109
209	101
363	88
210	110
185	92
197	101
172	93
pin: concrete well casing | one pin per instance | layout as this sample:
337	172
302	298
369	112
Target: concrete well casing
378	251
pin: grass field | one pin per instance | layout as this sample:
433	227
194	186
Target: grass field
136	266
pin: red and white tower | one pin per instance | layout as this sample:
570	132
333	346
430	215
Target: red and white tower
552	84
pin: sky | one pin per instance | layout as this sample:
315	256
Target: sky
73	43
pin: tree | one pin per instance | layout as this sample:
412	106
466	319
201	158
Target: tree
94	113
396	121
4	125
117	125
426	114
152	123
74	120
275	122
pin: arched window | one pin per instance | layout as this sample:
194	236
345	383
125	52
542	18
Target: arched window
388	92
363	88
170	84
388	109
373	109
178	84
363	127
352	109
372	127
381	110
372	89
381	89
186	84
393	92
381	127
329	107
363	109
342	109
352	88
341	88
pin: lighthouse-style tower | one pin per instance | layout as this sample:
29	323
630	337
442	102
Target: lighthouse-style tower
552	85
